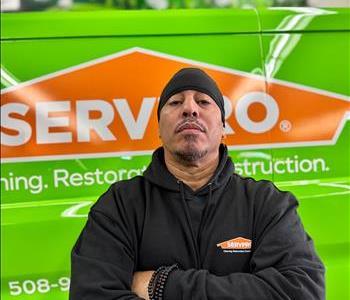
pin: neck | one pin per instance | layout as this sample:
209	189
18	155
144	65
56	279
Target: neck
196	174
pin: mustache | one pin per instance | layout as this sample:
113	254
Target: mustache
190	123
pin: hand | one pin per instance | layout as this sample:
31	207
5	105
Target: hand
140	283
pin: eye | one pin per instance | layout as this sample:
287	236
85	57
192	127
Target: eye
174	102
203	102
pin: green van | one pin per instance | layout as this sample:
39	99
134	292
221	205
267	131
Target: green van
78	112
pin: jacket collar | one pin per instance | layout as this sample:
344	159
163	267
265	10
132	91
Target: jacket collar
158	174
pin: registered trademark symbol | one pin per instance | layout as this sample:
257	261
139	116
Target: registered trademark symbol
285	125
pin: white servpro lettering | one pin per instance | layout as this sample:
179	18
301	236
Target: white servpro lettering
272	112
45	122
136	128
53	123
228	112
100	125
239	245
23	129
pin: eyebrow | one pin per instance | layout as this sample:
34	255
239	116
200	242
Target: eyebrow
196	94
178	95
200	94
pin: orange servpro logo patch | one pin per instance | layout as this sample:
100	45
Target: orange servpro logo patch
107	107
238	244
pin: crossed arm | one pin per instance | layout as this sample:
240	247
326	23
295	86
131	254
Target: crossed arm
284	265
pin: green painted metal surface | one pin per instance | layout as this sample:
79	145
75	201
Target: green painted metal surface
124	23
304	19
41	221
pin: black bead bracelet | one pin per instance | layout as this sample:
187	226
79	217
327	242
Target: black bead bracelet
158	280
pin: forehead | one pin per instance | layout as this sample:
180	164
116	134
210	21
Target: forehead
191	93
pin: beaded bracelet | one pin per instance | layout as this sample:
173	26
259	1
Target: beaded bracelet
152	283
158	280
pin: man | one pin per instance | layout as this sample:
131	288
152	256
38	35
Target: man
190	228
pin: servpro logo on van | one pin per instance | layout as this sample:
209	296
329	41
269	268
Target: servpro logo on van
108	107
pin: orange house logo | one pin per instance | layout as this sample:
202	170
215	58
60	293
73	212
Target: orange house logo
107	107
238	244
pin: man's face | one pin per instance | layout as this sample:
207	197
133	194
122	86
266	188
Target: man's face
190	125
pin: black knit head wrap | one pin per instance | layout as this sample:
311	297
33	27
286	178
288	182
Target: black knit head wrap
192	79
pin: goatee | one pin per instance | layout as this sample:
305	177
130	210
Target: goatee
191	153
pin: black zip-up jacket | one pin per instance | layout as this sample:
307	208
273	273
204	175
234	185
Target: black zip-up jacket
149	221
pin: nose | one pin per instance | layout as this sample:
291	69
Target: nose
190	108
